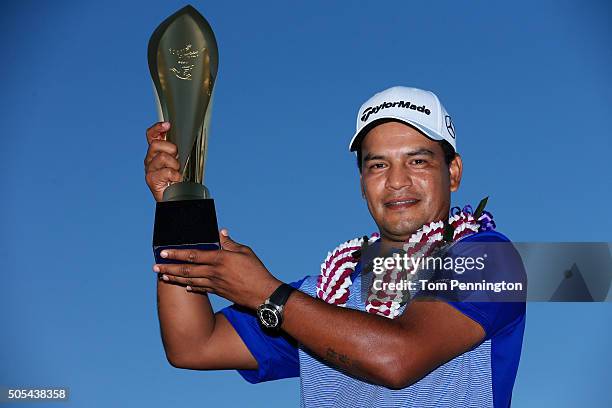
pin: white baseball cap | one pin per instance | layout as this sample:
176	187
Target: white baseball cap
416	107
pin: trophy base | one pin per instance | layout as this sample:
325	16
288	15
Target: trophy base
185	224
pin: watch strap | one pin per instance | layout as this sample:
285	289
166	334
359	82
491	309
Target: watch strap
281	294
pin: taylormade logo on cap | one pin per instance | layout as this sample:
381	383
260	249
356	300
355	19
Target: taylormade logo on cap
415	107
401	104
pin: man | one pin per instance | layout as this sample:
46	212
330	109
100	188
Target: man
431	351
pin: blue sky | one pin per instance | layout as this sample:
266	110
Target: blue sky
527	83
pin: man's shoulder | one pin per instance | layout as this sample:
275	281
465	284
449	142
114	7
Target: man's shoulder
499	249
499	304
486	236
491	242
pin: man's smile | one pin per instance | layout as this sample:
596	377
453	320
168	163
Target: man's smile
401	203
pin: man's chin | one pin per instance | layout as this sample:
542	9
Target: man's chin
403	233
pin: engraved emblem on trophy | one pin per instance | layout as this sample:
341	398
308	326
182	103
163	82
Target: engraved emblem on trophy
183	61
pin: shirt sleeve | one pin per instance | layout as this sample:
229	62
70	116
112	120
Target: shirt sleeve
276	353
494	311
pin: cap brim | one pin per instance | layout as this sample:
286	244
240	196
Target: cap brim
360	134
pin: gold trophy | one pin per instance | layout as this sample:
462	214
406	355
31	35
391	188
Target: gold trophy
183	61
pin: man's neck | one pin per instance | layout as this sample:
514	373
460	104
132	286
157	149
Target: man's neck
388	245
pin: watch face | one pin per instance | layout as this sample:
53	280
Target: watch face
268	317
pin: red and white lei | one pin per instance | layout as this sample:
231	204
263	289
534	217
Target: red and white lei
334	282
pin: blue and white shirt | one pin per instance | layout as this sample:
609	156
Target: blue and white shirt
481	377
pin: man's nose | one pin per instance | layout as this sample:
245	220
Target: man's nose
398	177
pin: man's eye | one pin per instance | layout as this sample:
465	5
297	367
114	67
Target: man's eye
377	166
419	161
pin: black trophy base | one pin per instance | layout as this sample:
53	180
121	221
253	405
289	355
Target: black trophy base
185	224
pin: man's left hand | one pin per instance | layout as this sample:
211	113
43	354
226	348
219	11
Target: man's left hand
233	272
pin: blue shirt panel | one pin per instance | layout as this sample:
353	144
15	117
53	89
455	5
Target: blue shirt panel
502	321
276	353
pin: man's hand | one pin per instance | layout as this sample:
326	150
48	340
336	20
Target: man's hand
233	272
161	162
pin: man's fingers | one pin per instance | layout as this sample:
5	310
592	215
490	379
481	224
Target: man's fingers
158	180
195	256
190	271
161	160
158	146
228	243
202	283
197	289
157	131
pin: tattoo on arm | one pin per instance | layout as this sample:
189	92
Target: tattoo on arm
341	360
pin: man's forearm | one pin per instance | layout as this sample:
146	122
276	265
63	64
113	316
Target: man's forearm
362	344
186	320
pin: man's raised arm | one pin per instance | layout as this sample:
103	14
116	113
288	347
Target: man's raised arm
193	336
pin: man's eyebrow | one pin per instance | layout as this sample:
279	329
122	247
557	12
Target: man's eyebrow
417	152
373	156
421	151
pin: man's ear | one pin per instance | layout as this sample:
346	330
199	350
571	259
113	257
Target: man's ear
455	169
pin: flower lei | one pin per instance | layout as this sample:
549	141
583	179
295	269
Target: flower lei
333	284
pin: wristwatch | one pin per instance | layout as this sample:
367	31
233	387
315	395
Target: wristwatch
270	313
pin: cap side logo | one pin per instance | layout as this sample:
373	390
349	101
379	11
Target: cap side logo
401	104
450	126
